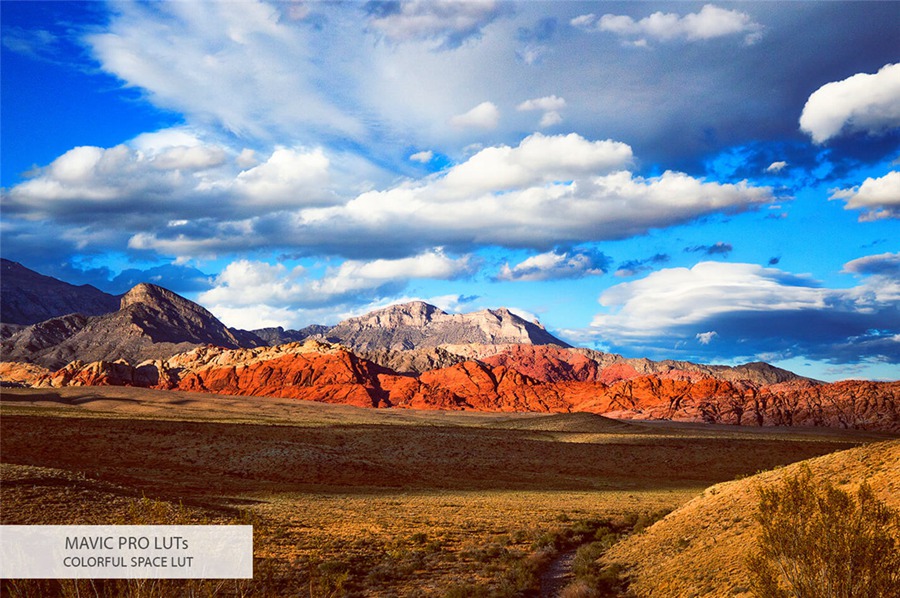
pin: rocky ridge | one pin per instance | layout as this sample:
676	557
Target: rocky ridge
320	371
151	323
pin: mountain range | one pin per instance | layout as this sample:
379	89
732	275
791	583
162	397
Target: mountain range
411	355
27	297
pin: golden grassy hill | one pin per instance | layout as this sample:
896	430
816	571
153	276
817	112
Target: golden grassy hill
700	549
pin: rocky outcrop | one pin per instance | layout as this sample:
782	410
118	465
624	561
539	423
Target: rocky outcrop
7	330
17	374
150	374
336	377
27	297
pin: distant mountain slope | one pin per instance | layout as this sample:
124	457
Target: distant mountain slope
152	323
418	325
27	297
700	548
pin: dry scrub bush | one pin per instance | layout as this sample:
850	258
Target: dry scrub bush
579	589
817	541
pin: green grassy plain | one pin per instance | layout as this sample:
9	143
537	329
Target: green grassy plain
348	501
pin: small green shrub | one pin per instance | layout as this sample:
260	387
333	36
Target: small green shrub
584	565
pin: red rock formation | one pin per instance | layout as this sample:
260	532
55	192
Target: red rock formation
547	363
335	377
547	379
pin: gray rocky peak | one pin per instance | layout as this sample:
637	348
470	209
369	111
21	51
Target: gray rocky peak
417	324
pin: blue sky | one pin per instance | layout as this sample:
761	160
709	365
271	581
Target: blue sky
714	182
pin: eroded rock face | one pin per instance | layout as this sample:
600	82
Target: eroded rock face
521	379
332	377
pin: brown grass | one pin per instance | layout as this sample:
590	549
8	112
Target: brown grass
365	502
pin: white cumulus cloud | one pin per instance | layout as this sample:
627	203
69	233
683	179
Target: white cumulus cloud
550	105
537	159
864	102
711	22
878	198
148	179
247	283
288	177
546	191
548	119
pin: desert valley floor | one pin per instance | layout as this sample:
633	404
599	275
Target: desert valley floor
385	502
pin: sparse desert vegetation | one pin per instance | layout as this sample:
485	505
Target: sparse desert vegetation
817	540
706	547
362	502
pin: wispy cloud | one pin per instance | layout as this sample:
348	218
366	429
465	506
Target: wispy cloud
718	248
631	268
38	44
229	65
447	24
